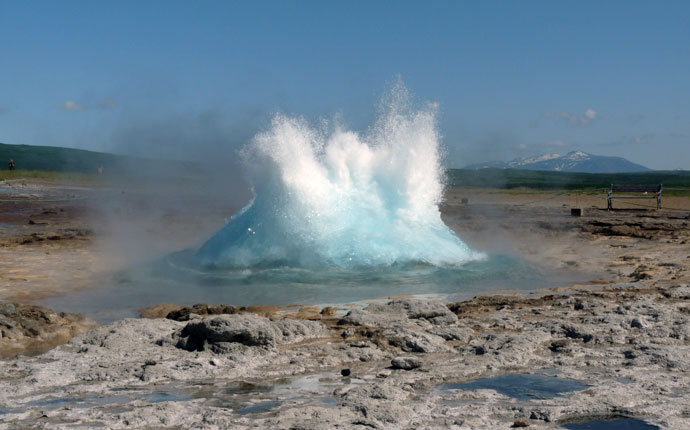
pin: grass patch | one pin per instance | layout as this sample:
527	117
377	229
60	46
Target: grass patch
58	159
674	182
68	165
49	176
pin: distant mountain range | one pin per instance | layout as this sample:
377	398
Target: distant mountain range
574	161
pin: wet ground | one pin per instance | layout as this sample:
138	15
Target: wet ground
609	351
521	386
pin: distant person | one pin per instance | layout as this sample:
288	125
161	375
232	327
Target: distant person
11	164
100	170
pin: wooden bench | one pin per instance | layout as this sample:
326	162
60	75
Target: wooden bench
635	192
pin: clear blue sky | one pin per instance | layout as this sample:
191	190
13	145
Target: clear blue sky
187	78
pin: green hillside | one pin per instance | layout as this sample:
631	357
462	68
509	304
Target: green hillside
58	159
55	159
542	180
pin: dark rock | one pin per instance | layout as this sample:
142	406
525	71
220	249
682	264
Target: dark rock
248	330
218	333
328	311
560	345
202	309
540	414
345	372
681	330
641	273
637	323
574	332
348	333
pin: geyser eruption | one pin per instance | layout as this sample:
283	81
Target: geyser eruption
338	217
342	199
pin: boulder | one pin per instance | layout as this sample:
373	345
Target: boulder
398	311
215	333
406	363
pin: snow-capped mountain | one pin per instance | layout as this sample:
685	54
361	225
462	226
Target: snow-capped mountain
574	161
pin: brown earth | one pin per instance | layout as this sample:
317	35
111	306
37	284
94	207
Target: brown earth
58	240
55	240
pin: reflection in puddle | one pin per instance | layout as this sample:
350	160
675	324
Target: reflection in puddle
241	396
261	407
613	424
12	191
248	398
82	402
124	396
521	386
243	387
164	396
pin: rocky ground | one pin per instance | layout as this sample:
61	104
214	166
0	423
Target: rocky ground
390	365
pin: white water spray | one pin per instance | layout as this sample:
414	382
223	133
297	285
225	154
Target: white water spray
343	199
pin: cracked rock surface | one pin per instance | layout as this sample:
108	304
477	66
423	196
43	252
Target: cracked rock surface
629	345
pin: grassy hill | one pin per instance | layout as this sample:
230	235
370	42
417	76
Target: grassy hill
512	178
69	160
58	159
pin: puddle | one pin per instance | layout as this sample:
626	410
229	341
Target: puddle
242	397
613	424
11	191
521	386
261	407
164	396
124	396
249	398
72	402
243	387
